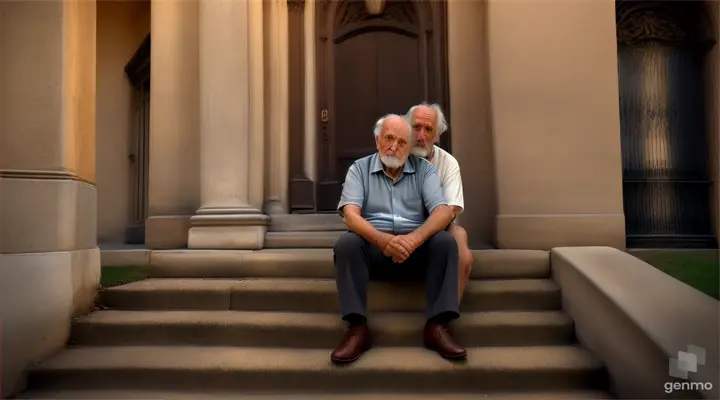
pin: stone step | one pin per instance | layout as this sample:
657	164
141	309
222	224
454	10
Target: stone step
309	239
306	222
309	330
319	295
208	395
552	368
318	263
321	239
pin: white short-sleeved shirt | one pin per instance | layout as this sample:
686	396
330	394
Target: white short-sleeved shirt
448	170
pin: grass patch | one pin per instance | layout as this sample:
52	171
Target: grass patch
697	268
114	276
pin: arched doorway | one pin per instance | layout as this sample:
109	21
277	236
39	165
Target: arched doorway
664	126
370	63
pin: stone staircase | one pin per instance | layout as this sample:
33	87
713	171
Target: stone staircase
232	324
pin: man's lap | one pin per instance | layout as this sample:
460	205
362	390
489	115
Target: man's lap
383	268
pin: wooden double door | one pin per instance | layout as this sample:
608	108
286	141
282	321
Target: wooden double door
368	65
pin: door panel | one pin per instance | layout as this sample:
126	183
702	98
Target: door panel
355	91
369	66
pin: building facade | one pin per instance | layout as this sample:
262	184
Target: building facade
194	123
581	123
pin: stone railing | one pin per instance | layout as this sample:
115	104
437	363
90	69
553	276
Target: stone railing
636	319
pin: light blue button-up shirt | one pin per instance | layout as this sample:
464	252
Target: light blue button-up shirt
397	207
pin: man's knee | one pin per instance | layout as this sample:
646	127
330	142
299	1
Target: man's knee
349	242
458	232
442	240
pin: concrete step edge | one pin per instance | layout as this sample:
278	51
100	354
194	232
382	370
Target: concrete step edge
318	263
325	285
319	295
302	239
310	370
310	330
387	360
177	395
302	319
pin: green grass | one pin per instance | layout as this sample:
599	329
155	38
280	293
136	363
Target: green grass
114	276
697	268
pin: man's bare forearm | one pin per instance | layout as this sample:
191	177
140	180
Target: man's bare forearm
359	225
438	220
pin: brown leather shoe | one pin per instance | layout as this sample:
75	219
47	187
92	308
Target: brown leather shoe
439	339
357	340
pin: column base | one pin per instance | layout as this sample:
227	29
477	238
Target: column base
273	206
228	228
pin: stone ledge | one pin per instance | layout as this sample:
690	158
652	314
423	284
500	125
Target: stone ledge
547	231
635	318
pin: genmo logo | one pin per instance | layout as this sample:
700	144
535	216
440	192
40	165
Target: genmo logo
680	367
671	387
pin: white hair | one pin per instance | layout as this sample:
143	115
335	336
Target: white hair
441	125
377	130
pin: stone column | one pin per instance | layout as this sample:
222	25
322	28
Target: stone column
257	102
174	188
311	114
276	84
50	263
556	124
470	122
225	219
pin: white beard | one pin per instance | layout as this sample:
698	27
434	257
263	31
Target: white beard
419	151
391	162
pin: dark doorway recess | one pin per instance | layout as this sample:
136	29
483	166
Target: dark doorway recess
662	48
138	72
367	66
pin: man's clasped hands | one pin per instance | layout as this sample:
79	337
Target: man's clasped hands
399	247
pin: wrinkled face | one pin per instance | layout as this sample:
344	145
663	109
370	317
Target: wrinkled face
393	143
424	125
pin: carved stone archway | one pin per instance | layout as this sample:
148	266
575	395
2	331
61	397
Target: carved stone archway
679	22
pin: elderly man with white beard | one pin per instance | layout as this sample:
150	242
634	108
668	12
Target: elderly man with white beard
397	217
428	123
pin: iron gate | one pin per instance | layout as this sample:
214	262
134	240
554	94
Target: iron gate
666	183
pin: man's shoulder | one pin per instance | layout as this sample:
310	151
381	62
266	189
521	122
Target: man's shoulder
445	159
364	162
419	163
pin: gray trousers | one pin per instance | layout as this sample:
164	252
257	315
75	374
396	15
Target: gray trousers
435	262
